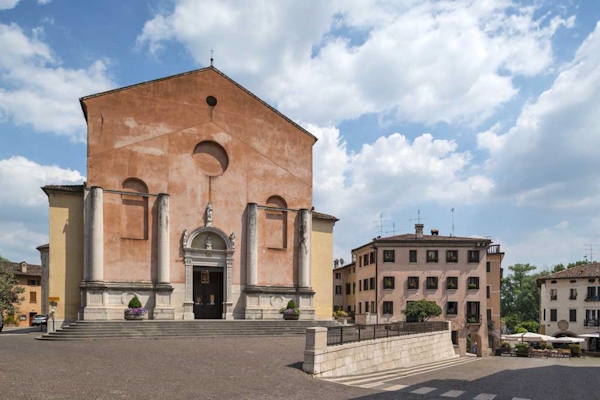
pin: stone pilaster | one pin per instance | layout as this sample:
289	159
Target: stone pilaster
96	241
163	238
304	251
252	246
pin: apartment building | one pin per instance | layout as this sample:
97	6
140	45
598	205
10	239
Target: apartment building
570	303
452	271
344	287
29	277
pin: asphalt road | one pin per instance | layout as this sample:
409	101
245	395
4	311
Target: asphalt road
252	368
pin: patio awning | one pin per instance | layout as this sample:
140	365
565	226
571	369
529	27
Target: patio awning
527	337
590	335
566	340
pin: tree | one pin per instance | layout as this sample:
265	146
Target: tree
529	326
520	296
9	289
422	310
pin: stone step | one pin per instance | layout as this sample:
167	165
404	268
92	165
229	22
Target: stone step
97	330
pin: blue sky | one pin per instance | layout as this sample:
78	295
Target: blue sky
431	105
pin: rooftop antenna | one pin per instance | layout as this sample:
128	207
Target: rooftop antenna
452	221
393	231
381	224
590	249
211	56
418	219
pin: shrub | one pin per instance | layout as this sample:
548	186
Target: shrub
520	329
575	350
543	345
505	345
422	310
291	304
135	303
549	346
340	313
522	348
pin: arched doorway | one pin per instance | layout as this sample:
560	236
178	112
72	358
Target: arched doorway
208	256
474	344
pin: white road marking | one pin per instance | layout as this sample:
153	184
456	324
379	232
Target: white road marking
393	388
518	398
452	393
424	390
485	396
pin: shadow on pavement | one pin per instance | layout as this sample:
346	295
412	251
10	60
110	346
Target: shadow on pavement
541	383
22	331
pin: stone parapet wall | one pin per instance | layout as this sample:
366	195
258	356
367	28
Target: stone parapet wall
373	355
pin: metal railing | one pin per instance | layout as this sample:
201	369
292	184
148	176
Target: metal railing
592	298
358	333
494	249
591	322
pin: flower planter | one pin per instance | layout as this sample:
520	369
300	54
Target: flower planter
291	317
135	314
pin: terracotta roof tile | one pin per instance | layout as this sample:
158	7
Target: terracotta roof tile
64	188
32	270
319	215
591	270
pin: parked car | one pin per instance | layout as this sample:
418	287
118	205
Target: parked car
40	319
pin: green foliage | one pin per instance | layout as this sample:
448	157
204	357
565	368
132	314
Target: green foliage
135	303
291	304
529	326
505	345
522	348
422	310
520	296
340	313
520	329
9	289
575	350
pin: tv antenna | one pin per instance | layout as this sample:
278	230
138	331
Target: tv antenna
452	221
381	224
418	219
590	249
393	231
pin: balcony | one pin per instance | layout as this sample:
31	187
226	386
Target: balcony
491	325
494	249
591	322
473	319
553	297
592	298
573	297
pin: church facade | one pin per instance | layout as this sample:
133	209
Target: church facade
198	200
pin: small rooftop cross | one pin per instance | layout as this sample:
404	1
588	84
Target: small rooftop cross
211	56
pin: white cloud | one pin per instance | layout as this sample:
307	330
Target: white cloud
389	174
8	4
421	61
43	2
36	90
548	158
24	212
21	179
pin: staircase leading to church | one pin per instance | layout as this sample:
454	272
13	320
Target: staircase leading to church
90	330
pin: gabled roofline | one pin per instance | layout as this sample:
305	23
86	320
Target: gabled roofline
84	108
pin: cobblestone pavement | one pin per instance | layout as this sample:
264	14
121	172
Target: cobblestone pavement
257	368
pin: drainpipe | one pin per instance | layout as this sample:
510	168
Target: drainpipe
376	281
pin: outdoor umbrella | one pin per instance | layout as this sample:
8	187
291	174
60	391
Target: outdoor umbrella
589	335
528	337
566	340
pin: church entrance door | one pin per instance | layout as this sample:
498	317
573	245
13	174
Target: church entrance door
208	293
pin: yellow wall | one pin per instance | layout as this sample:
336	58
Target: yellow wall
66	252
321	266
25	306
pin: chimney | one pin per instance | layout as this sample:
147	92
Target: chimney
435	232
419	230
336	263
24	267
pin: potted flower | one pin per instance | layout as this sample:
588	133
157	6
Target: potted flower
291	312
472	286
135	311
341	316
451	285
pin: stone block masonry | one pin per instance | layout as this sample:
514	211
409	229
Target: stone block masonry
373	355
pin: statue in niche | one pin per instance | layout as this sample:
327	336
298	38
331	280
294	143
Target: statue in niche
232	240
185	237
209	214
208	243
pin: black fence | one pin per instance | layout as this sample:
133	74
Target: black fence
359	333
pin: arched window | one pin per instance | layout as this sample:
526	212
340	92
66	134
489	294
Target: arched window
134	210
276	223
